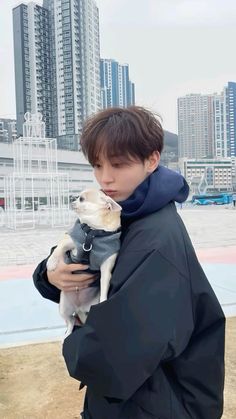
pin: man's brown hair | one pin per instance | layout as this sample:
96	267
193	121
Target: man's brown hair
133	133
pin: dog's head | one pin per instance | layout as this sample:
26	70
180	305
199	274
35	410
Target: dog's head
95	208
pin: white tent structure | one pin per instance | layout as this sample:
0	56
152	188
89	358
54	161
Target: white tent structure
198	184
35	193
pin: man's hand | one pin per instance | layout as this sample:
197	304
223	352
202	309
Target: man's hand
65	280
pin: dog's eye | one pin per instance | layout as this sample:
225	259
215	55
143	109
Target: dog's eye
81	199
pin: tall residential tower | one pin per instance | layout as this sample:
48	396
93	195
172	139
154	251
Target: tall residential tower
116	87
225	121
32	63
195	126
231	117
221	146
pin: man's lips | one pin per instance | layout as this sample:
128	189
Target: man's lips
109	191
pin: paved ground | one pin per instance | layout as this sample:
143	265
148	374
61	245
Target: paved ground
209	227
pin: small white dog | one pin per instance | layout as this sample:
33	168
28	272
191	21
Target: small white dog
93	240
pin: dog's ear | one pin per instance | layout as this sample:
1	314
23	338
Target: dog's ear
111	204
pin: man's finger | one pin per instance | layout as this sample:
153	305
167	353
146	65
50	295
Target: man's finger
77	267
74	280
81	278
74	288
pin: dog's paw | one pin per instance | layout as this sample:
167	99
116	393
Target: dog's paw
52	263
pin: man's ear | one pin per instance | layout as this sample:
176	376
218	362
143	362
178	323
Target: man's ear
111	204
153	161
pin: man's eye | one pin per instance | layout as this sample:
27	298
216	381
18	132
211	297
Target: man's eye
97	166
119	165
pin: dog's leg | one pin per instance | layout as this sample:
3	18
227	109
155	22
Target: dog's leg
68	306
70	326
106	269
64	245
79	303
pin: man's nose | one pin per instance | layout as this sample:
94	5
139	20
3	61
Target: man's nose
107	176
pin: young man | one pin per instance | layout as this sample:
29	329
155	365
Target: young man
155	348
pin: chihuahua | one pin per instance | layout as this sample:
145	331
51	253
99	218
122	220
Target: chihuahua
94	240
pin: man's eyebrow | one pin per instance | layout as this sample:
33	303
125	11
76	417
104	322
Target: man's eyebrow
121	158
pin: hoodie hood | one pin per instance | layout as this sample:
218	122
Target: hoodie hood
156	191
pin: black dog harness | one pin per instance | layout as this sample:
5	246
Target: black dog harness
93	246
90	234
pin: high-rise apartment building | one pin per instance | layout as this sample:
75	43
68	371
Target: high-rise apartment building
220	125
225	121
57	73
116	87
195	126
74	34
230	93
32	63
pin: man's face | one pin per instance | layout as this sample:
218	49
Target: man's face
119	177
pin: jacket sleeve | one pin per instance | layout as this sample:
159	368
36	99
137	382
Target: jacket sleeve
126	337
42	284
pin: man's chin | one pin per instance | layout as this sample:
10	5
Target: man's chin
118	196
121	198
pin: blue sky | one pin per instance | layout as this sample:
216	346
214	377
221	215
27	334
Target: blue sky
173	47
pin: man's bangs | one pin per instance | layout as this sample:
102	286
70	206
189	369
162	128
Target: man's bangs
133	133
111	146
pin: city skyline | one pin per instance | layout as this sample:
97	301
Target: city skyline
193	54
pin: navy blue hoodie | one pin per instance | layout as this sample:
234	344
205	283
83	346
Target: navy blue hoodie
156	191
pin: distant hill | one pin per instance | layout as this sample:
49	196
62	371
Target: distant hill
170	151
171	140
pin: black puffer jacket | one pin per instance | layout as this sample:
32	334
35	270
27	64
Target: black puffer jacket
155	348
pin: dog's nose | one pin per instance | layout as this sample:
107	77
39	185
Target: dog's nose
81	199
73	198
